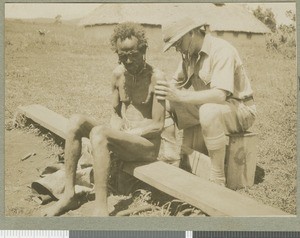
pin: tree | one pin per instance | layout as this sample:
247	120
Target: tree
291	15
266	16
58	19
283	40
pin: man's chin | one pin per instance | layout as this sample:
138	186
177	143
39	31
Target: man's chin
131	70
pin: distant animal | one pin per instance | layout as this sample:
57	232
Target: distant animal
43	32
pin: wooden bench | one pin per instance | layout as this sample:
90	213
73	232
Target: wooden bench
211	198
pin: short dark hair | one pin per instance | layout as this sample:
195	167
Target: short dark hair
128	30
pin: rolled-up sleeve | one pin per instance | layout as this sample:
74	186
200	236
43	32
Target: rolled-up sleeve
223	69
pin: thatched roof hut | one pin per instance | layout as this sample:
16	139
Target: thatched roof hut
229	21
221	17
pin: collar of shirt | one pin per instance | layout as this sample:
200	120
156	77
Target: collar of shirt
206	46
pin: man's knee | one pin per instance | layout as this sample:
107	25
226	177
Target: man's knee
98	135
209	114
75	125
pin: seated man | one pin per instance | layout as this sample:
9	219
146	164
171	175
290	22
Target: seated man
136	124
221	101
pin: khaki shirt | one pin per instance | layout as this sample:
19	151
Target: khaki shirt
218	65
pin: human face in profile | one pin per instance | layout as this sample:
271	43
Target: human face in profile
183	44
129	55
189	44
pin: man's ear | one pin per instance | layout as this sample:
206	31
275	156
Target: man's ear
206	29
143	49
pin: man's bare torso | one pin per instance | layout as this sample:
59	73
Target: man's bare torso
136	96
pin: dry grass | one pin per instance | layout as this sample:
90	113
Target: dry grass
69	72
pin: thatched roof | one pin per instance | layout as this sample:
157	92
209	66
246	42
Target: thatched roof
221	17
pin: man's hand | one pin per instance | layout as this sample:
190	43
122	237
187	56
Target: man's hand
166	90
116	122
134	131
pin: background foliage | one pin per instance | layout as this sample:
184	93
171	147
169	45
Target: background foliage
282	38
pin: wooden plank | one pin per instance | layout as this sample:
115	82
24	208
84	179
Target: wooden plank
200	164
48	119
211	198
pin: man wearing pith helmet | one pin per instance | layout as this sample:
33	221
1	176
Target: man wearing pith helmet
222	100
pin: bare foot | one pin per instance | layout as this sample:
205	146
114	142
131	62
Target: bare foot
62	206
100	212
220	182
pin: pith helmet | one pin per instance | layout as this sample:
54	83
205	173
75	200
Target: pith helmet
176	29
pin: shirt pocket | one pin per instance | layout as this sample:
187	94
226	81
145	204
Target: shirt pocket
205	76
205	73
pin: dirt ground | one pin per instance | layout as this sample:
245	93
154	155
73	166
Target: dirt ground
20	174
19	197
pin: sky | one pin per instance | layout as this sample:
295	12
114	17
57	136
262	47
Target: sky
79	10
48	10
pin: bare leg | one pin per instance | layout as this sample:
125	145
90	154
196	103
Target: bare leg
101	158
79	126
130	147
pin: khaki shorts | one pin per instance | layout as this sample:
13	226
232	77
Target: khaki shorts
237	117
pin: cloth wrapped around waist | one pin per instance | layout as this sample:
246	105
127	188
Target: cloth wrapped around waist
51	184
133	118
